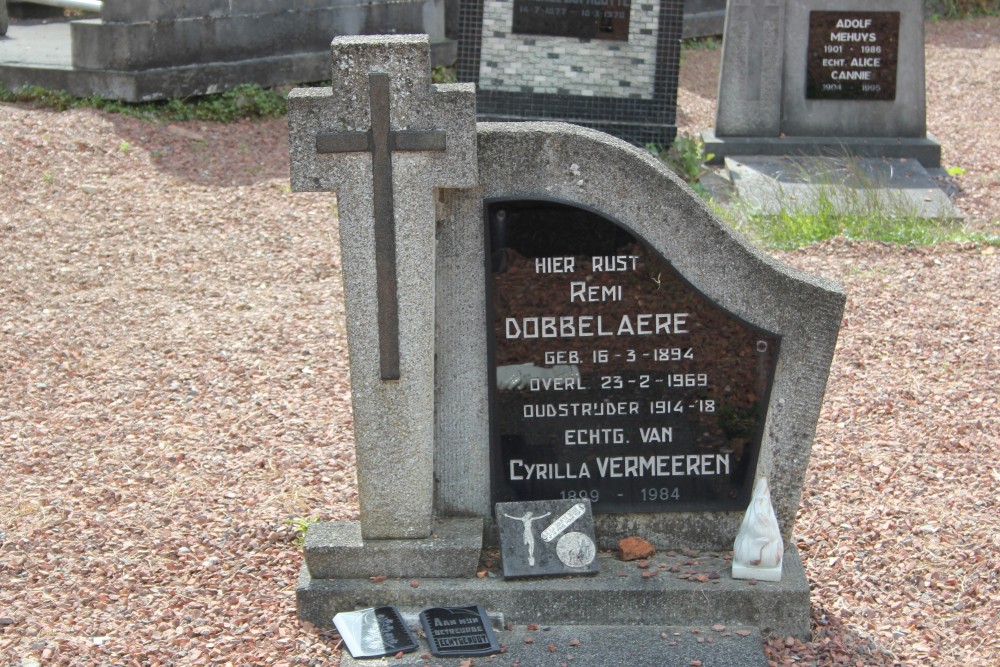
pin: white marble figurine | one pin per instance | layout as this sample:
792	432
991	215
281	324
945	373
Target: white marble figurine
759	548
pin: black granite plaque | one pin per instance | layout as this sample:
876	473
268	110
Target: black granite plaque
547	537
370	633
586	19
459	631
852	55
613	379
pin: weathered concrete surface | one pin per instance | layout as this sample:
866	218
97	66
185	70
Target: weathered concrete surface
618	592
769	185
604	646
337	551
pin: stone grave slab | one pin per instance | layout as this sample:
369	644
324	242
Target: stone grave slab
769	185
547	537
677	594
593	646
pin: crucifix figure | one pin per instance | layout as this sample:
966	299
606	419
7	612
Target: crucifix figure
529	536
386	139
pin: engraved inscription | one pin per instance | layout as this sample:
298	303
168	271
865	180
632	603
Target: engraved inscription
615	380
852	55
585	19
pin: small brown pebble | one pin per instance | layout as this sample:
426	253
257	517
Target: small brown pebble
719	627
695	663
635	548
532	626
399	656
574	642
743	633
414	584
378	578
642	564
425	656
789	642
551	648
752	582
529	640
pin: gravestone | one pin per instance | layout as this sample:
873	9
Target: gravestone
607	64
560	295
823	78
139	51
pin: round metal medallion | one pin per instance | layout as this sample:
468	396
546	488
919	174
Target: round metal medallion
576	550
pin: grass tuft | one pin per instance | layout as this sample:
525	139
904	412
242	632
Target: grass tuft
247	101
859	216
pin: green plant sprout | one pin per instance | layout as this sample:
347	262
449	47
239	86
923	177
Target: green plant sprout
300	525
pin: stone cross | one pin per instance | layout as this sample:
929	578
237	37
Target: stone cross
750	83
381	141
385	139
755	16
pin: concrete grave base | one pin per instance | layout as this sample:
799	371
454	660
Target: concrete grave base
925	150
601	646
40	54
618	592
335	550
768	185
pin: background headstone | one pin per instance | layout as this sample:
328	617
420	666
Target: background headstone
858	90
621	79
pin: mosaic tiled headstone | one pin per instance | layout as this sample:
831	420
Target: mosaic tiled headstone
614	69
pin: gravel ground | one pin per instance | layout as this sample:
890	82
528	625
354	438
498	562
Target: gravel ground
174	387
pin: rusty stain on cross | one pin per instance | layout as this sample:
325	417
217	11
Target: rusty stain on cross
382	141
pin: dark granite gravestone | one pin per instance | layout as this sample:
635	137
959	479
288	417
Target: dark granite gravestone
607	64
616	380
547	537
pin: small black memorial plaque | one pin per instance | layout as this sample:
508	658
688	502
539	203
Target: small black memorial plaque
370	633
613	379
459	631
586	19
852	55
